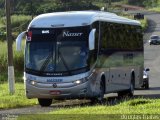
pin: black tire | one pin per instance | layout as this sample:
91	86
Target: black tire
121	94
102	91
45	102
146	86
130	92
100	98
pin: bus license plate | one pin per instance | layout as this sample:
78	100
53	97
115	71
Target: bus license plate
55	92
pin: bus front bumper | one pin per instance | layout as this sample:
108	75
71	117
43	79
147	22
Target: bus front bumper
79	91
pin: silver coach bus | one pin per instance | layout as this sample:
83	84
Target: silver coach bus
81	54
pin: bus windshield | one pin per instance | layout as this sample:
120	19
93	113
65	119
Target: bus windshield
56	53
71	55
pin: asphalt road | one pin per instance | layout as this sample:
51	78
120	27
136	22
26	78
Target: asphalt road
152	57
152	61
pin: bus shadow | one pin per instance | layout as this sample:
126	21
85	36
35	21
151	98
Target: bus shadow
150	89
108	101
154	88
151	26
150	96
148	32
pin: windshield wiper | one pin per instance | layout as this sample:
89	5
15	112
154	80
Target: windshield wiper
46	62
64	62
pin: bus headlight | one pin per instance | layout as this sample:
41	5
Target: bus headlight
32	82
77	81
80	81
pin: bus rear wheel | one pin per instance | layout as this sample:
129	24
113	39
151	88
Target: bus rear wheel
129	92
146	86
44	102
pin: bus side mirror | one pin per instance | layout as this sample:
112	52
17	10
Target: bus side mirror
92	39
19	40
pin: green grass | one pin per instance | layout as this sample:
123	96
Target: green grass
155	9
4	76
100	4
18	62
137	106
133	106
19	22
144	22
1	23
153	6
14	101
68	117
3	56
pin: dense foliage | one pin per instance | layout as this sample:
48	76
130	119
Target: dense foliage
35	7
145	3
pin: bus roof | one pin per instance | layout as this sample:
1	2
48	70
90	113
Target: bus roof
77	18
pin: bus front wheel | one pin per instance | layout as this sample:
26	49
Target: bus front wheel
102	91
44	102
100	98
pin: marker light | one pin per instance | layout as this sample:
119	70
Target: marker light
29	35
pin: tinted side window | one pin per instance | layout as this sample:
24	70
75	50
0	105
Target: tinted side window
120	37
